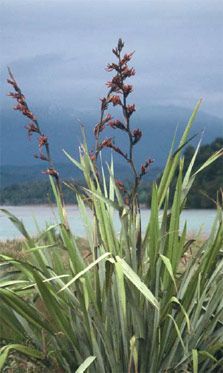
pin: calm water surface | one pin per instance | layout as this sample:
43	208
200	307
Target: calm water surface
37	217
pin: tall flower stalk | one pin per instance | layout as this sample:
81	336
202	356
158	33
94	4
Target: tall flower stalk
33	127
118	95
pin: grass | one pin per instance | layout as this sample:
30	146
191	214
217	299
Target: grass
15	248
12	248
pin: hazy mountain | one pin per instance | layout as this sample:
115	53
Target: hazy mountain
13	175
63	129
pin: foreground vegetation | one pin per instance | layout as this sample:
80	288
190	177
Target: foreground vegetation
129	302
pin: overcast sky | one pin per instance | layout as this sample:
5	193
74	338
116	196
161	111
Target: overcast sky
58	50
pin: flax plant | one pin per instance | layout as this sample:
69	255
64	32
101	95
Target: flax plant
134	302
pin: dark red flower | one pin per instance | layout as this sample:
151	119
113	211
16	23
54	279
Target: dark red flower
92	156
28	113
127	88
101	126
116	124
16	95
126	58
31	128
137	134
145	166
98	128
115	100
42	141
112	66
14	84
106	119
107	143
19	107
51	172
21	100
130	109
22	107
115	84
120	184
127	72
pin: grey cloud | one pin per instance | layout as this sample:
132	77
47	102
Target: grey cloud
59	48
32	64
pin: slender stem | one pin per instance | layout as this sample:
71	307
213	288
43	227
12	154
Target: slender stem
135	206
131	159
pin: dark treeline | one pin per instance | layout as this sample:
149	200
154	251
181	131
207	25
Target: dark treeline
208	182
32	193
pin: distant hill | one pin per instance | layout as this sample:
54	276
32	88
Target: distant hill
158	124
11	174
17	175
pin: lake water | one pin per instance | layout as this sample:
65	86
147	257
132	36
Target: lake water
37	217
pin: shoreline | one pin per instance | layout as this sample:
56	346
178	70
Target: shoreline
37	217
69	205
